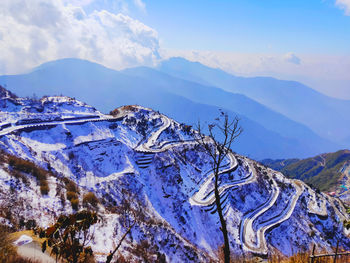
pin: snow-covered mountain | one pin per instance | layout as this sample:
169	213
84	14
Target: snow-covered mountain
143	156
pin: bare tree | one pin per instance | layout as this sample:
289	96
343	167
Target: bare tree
131	213
222	133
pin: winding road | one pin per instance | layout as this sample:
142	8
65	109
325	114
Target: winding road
252	240
14	127
202	199
255	240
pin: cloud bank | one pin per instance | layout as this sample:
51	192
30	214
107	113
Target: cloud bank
292	58
344	4
36	31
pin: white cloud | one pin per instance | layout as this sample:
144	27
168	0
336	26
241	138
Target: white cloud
36	31
344	4
78	2
113	6
292	58
140	4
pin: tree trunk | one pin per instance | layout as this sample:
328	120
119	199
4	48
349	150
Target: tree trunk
222	219
110	255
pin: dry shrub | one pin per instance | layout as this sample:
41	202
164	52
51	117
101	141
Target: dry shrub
303	257
71	195
114	112
71	186
90	199
6	249
19	165
129	108
74	199
297	258
44	189
75	203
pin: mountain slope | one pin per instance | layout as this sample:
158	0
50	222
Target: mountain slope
154	162
325	115
328	172
268	134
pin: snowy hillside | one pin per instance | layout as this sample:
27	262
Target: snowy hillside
151	160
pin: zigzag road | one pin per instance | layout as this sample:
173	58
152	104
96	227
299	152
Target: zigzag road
202	199
199	198
147	146
248	236
253	241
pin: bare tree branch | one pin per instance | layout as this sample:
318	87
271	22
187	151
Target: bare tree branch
229	130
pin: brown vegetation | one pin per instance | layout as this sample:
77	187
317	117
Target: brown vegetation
44	189
23	166
69	237
90	199
301	257
72	193
71	186
114	112
75	204
74	199
129	108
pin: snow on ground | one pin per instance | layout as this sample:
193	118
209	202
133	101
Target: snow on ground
151	156
22	240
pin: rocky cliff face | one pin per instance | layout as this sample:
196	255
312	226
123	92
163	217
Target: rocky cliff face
141	157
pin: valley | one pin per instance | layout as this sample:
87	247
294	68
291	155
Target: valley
327	172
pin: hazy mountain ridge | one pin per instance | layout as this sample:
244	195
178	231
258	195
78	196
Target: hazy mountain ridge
325	115
267	133
231	101
148	154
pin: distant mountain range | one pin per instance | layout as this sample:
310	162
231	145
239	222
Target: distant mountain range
327	172
182	90
329	117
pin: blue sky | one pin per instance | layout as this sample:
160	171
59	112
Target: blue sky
302	40
251	25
